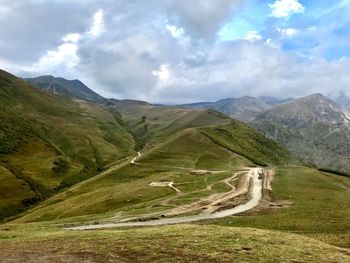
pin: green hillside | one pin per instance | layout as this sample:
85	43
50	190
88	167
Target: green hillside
124	190
151	123
49	142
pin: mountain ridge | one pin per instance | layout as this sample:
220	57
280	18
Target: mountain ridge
290	122
314	127
244	108
74	89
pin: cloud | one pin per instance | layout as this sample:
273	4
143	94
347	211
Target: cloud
174	31
286	8
29	29
162	73
64	58
73	37
288	32
97	26
253	36
171	51
201	18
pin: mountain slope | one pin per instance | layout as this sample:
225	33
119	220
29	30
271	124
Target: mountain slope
314	127
150	124
125	189
74	89
272	101
48	142
244	108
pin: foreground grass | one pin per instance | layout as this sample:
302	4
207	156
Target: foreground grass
320	206
180	243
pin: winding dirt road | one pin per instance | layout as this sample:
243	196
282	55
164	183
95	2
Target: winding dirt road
133	160
256	195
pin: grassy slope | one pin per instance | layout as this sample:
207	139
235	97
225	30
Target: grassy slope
151	124
320	206
239	138
37	128
125	188
184	243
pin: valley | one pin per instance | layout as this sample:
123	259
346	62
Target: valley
122	171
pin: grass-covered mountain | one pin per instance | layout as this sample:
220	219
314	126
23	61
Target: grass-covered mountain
49	142
74	89
314	127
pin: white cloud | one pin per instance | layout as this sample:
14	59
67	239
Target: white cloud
175	31
253	36
65	57
97	26
64	54
288	32
285	8
162	73
4	10
272	43
73	38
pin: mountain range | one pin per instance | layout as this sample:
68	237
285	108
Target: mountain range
244	108
315	128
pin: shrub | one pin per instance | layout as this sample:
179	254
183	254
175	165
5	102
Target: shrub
61	166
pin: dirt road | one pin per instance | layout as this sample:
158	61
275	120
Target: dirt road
256	195
133	160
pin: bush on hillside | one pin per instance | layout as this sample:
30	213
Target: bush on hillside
61	166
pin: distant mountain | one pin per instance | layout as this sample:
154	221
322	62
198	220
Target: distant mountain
74	89
272	101
245	108
314	127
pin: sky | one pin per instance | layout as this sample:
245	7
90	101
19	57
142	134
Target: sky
180	51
